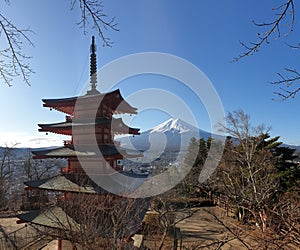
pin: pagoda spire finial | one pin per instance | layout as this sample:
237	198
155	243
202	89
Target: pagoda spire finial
93	66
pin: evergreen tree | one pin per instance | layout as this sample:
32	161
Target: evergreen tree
195	158
288	170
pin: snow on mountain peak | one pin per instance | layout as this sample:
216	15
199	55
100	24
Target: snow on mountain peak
174	125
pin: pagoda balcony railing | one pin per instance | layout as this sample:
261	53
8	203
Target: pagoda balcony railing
69	142
67	170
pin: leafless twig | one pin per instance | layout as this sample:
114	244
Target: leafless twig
13	62
286	10
284	18
92	11
289	90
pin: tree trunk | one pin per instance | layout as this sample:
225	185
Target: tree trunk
115	239
262	217
163	239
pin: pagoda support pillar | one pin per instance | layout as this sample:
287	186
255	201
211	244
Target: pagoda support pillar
59	244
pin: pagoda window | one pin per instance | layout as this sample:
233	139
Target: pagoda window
106	138
107	132
99	139
98	130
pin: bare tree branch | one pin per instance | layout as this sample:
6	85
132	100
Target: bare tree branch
92	11
290	89
286	11
295	47
284	18
6	172
14	62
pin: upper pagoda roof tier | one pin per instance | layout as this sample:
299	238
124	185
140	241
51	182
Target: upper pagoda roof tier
86	151
113	100
115	124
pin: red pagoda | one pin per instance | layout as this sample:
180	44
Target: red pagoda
85	114
89	123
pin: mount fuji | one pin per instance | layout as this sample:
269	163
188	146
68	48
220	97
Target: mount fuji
171	135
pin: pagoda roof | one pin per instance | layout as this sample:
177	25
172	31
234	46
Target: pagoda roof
112	99
56	218
77	183
59	152
87	151
117	126
53	217
63	183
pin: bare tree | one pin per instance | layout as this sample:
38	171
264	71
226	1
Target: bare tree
287	213
38	169
248	173
95	221
5	175
280	26
169	209
14	62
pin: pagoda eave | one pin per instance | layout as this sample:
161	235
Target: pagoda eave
66	110
42	157
131	132
67	105
120	112
116	125
57	131
79	151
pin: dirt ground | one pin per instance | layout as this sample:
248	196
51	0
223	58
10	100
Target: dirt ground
20	236
209	227
9	224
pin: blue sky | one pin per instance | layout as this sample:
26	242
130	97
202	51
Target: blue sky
205	33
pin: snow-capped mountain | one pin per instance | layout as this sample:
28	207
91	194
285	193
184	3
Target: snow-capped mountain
174	126
171	135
